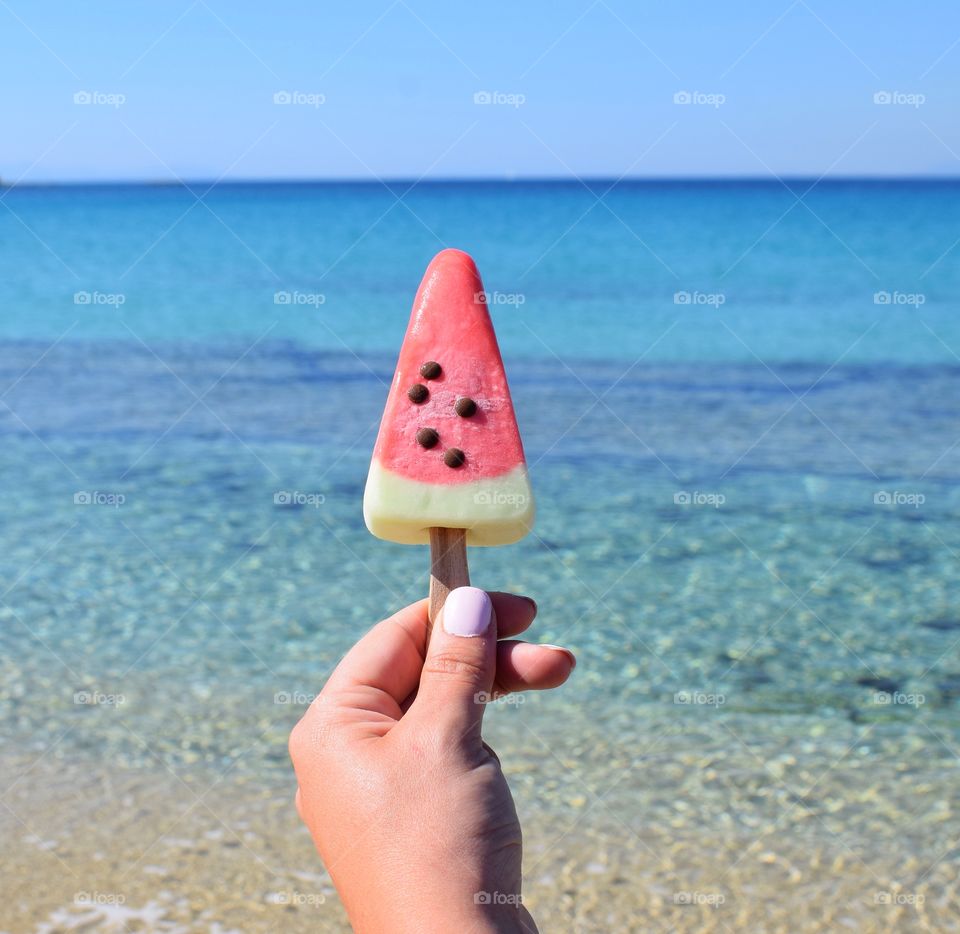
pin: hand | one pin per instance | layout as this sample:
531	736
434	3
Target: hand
406	804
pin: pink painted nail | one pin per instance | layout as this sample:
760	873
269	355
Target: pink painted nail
467	612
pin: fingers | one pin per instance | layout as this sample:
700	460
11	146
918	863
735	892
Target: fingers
389	657
514	613
387	660
459	665
525	667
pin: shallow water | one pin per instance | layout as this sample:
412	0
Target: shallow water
774	660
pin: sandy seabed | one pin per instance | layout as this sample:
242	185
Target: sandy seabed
704	830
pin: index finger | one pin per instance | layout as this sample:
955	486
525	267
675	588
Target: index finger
390	656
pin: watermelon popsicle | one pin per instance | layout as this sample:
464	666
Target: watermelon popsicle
448	465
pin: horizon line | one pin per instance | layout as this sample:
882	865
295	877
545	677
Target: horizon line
471	179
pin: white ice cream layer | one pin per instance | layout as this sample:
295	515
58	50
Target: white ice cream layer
497	511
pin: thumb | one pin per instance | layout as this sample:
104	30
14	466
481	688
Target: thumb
458	672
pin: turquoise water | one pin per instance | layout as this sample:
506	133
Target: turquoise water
586	271
753	501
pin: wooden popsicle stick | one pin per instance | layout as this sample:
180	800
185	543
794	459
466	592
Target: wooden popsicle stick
448	566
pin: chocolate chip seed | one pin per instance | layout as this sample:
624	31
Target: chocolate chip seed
465	407
418	393
431	370
427	437
454	457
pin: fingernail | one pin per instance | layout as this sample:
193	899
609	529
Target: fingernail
467	612
567	652
531	601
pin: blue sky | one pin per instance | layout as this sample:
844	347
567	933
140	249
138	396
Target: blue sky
195	89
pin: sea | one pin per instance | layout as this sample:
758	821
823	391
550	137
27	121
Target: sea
740	404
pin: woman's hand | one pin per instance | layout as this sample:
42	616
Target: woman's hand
406	803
